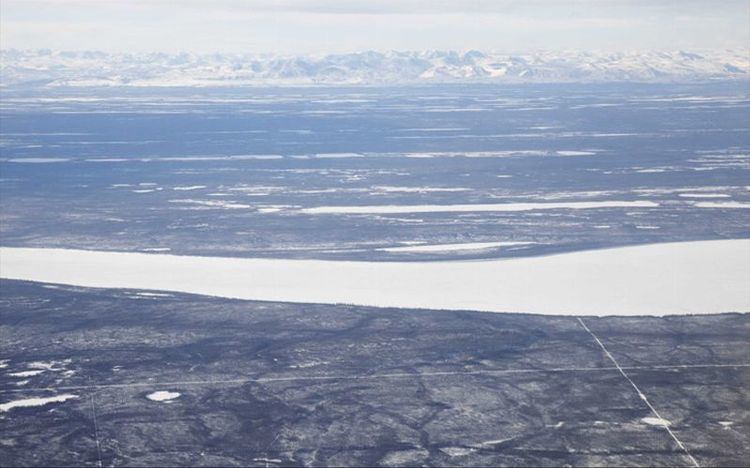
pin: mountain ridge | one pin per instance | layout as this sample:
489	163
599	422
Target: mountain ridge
95	68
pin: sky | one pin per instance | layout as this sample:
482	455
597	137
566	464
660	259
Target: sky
334	26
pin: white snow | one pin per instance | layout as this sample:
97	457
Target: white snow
724	204
50	366
306	365
450	247
651	171
162	395
652	421
576	153
273	208
337	155
703	195
655	279
236	157
477	154
392	189
29	373
38	160
260	157
494	442
150	294
28	402
211	203
457	451
487	207
434	129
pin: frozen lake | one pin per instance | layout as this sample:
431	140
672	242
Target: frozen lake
657	279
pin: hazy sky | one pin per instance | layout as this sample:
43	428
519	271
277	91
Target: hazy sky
326	26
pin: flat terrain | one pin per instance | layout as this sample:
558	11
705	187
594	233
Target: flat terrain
353	173
154	379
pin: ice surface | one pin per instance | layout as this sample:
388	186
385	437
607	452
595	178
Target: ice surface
656	279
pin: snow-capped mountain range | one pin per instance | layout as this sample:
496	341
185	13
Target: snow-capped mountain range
91	68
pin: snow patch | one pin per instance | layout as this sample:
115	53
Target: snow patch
337	155
703	195
650	171
457	451
651	421
451	247
489	207
576	153
162	395
392	189
37	160
151	294
29	402
29	373
727	204
212	203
